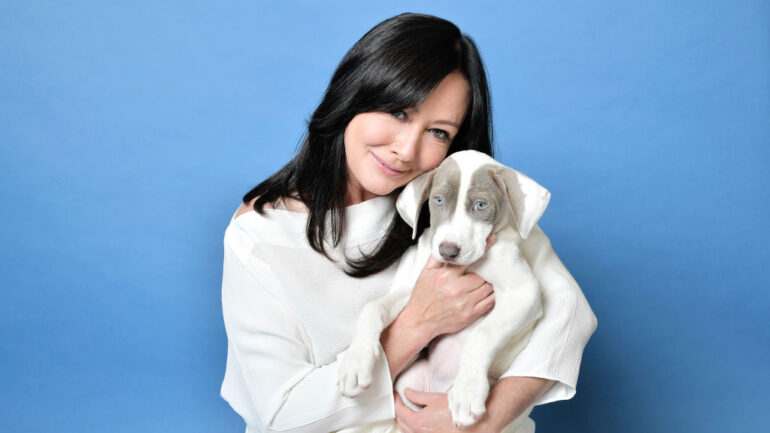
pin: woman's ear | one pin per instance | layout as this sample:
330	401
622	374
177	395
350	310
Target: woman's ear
412	197
526	198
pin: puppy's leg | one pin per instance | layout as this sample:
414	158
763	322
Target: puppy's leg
357	365
517	305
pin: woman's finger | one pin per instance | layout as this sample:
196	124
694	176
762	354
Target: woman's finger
402	410
404	415
456	270
491	239
433	263
471	282
485	305
482	292
420	397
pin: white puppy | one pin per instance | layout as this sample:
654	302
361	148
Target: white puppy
470	196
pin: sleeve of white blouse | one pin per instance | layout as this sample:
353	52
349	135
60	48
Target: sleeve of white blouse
556	346
270	379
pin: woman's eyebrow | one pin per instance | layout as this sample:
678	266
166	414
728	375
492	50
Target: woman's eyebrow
447	122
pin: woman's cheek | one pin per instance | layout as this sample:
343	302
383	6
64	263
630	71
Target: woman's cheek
433	158
378	132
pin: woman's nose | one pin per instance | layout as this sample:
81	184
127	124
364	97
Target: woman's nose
407	144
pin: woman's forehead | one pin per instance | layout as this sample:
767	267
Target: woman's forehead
448	101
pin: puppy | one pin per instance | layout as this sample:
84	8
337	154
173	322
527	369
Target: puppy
470	196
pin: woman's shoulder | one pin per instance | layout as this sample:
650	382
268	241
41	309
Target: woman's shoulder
280	223
290	204
284	223
245	207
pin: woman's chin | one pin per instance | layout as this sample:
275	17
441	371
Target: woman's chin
382	188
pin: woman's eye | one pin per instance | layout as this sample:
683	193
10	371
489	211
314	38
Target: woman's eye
400	114
440	134
438	200
479	205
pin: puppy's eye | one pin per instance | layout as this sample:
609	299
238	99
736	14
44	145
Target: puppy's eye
479	205
438	200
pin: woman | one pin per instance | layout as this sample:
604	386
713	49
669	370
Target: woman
315	242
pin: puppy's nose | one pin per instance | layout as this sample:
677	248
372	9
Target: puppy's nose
448	250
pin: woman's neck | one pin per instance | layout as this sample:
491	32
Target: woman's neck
357	194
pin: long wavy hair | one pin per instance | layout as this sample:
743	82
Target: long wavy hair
394	66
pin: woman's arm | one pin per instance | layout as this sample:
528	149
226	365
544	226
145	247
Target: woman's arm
270	379
508	400
401	342
555	348
444	300
510	397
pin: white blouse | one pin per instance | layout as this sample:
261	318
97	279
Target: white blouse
289	314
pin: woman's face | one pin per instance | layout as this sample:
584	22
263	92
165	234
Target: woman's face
387	150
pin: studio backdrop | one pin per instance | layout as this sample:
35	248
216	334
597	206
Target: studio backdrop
129	131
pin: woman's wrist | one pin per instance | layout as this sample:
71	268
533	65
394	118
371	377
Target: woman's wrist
403	340
411	319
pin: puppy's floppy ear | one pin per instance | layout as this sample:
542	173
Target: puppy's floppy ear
412	197
526	198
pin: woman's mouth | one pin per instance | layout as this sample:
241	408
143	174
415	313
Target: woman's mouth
385	168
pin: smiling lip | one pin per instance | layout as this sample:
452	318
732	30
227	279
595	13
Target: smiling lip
390	171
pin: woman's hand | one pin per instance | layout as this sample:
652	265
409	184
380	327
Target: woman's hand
446	300
443	301
507	401
434	416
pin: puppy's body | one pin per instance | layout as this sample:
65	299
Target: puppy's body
470	196
517	302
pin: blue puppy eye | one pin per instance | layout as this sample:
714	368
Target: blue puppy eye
479	205
438	200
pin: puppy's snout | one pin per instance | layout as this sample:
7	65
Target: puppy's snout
448	250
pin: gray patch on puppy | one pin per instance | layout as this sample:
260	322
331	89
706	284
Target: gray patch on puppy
446	184
484	188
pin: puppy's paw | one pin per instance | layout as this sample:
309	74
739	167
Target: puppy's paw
356	368
467	399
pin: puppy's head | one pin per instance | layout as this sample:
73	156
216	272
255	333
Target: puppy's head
470	195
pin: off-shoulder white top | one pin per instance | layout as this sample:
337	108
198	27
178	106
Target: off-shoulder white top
289	314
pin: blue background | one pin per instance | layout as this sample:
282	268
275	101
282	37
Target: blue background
130	130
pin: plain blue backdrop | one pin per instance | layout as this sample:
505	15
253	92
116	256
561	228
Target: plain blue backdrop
130	130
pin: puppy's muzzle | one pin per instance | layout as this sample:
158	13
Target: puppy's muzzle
448	250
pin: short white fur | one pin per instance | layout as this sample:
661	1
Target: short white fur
469	235
491	343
